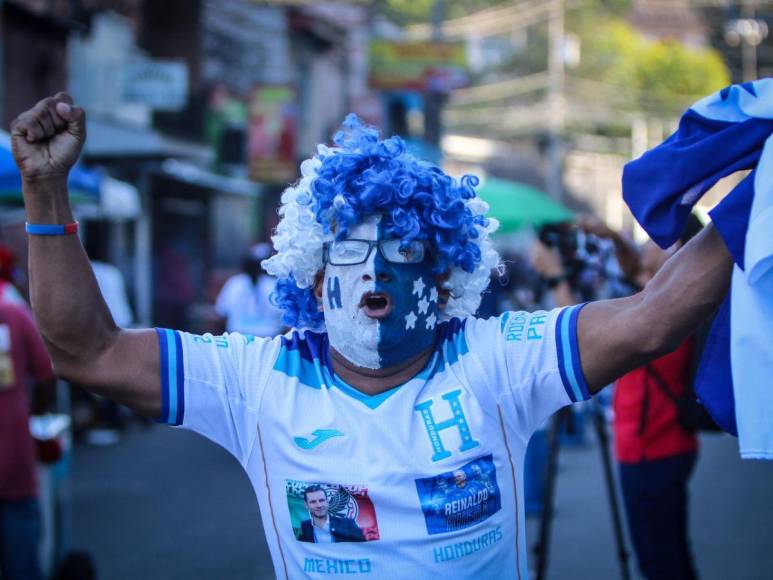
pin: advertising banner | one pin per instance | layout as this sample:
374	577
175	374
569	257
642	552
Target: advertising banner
420	66
272	134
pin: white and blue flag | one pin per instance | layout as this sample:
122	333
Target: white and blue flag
723	133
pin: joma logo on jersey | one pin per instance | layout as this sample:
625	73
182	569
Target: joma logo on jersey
434	428
320	436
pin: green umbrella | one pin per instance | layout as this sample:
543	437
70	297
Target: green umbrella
516	205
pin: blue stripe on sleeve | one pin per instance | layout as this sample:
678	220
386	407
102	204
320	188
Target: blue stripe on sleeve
560	352
575	316
162	349
171	353
566	345
568	350
180	379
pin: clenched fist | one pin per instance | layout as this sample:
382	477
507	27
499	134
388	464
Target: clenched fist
48	138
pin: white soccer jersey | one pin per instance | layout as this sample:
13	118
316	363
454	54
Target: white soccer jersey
423	480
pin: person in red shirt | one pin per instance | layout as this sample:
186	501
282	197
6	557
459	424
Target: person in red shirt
646	422
655	453
8	290
656	456
24	362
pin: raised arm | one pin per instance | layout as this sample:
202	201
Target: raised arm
84	343
616	336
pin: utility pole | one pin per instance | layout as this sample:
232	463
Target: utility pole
434	99
748	32
748	49
555	99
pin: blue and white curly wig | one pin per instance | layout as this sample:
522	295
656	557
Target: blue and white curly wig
363	175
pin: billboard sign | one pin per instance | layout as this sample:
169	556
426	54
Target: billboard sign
421	66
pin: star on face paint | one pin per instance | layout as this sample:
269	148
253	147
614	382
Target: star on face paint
431	320
433	294
418	287
410	320
423	305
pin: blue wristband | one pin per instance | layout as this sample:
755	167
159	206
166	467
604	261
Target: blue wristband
51	229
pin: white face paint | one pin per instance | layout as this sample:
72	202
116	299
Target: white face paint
353	334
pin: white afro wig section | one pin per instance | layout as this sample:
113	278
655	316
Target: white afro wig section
467	287
299	241
299	238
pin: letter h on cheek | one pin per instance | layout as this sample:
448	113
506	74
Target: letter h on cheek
334	292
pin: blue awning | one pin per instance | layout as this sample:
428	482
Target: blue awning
84	184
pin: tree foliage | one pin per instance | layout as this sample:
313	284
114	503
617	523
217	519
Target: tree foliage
649	72
642	72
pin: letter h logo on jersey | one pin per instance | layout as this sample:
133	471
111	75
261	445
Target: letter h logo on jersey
457	420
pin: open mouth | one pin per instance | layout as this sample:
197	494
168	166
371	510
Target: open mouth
376	304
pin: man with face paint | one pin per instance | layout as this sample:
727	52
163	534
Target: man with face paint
386	386
381	302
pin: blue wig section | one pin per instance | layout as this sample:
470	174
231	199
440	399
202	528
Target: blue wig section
368	176
299	305
365	176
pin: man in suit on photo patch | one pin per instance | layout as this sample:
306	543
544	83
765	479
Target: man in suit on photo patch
322	526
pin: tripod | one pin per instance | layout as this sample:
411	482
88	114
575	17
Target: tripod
541	548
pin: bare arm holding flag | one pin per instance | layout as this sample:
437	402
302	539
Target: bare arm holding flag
616	336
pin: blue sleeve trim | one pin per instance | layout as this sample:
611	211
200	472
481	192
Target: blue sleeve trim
180	379
568	349
172	377
162	349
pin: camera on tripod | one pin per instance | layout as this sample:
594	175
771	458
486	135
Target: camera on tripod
581	255
576	248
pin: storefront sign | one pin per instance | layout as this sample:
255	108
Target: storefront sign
159	84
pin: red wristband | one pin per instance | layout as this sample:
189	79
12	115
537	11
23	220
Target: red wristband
51	229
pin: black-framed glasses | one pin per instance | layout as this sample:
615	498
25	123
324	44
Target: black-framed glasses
352	252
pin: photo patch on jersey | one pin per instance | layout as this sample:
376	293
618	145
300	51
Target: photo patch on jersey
461	498
331	512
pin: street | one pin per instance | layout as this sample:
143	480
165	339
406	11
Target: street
165	503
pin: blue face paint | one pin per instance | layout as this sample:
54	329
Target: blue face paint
410	327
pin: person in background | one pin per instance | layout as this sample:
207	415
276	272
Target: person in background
24	363
245	299
8	291
109	418
111	284
655	453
